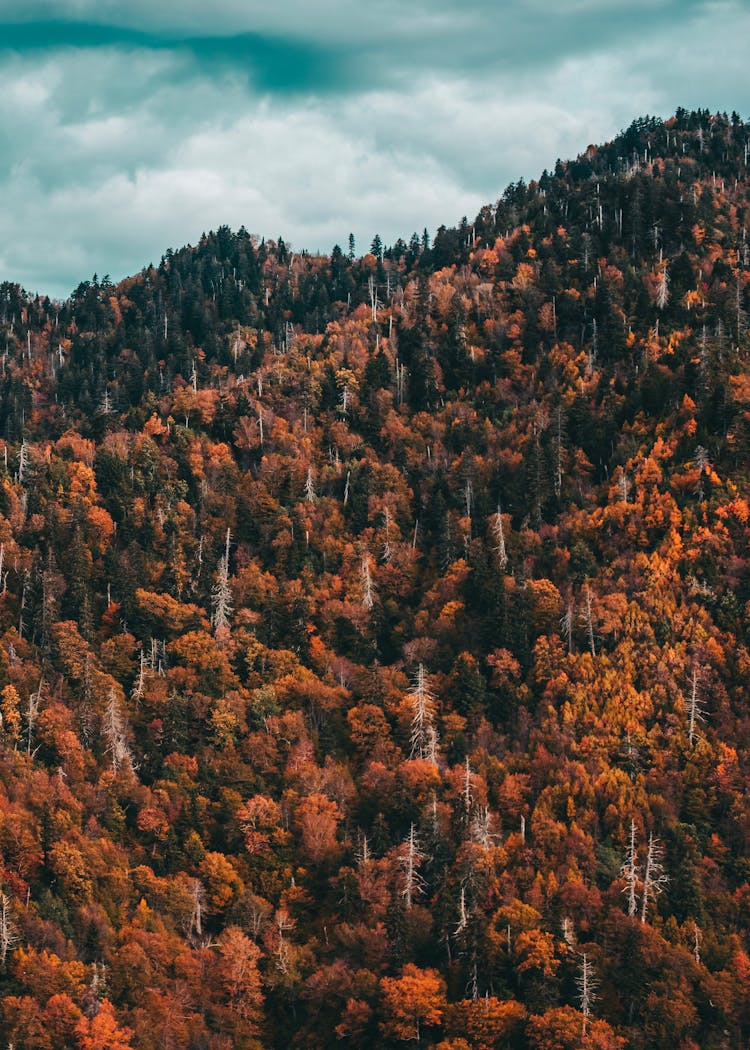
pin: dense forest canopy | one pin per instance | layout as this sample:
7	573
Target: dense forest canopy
375	630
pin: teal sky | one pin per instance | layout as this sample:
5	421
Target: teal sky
128	128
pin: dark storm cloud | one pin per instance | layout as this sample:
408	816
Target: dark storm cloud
312	47
271	63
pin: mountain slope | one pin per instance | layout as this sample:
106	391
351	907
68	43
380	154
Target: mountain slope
374	631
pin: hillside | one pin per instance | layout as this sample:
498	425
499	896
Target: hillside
375	630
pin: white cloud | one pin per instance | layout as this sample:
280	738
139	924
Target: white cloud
107	158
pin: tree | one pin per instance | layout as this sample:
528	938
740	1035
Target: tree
654	878
487	1022
587	984
588	618
423	736
560	1029
114	730
410	859
8	930
631	872
662	289
239	958
695	709
221	598
318	818
102	1032
368	589
412	1002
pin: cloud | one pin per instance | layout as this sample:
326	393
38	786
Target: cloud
114	148
109	187
340	42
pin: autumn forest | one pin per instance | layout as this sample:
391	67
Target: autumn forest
375	630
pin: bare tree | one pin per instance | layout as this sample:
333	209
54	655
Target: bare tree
499	534
22	604
283	923
386	553
481	827
422	722
695	710
140	681
662	291
114	730
654	878
468	797
463	918
410	860
32	710
372	293
96	991
468	498
587	984
368	588
588	618
630	871
23	461
567	625
8	930
198	897
431	752
221	598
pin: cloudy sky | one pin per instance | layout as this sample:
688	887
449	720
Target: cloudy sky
129	126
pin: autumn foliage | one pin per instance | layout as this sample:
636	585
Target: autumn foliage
375	632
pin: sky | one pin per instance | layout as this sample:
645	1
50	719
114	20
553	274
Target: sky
131	126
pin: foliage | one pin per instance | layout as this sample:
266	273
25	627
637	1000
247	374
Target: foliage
374	633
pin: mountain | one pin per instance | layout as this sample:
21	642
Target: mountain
375	630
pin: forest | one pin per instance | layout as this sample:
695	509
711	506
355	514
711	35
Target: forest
375	630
